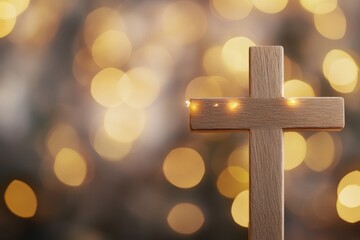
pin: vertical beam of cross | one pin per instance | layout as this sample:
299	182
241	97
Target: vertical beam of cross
265	114
266	156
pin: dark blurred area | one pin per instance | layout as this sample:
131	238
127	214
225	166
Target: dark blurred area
94	134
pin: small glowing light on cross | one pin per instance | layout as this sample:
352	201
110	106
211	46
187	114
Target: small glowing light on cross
233	105
216	105
292	102
188	103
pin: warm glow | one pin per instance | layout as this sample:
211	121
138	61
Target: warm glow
294	150
185	218
110	87
331	25
240	157
145	87
20	199
350	196
240	209
61	136
203	87
292	102
184	22
124	124
320	151
70	167
233	105
351	215
184	167
232	9
19	5
319	6
7	18
232	180
212	61
235	54
297	88
99	21
341	70
270	6
352	178
108	148
111	49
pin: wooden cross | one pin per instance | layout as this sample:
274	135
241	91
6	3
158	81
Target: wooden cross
265	114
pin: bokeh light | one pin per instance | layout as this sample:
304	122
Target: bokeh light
240	209
19	5
108	148
351	215
349	179
240	157
320	151
235	54
341	70
84	67
331	25
145	87
270	6
111	49
61	136
203	87
20	199
232	180
7	18
184	22
298	88
319	6
70	167
124	124
232	9
110	87
184	167
350	196
100	21
185	218
294	150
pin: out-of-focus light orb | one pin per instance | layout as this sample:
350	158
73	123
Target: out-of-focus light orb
270	6
19	5
240	209
184	22
350	215
7	18
350	196
294	150
61	136
341	71
184	167
99	21
331	25
320	151
319	6
240	157
298	88
212	61
145	87
203	87
20	199
232	180
84	67
352	178
185	218
108	148
111	49
235	54
157	58
232	9
37	26
70	167
110	87
124	123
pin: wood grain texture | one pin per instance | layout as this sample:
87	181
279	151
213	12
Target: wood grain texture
266	185
266	72
311	113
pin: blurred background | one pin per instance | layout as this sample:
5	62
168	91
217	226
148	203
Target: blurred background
94	132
